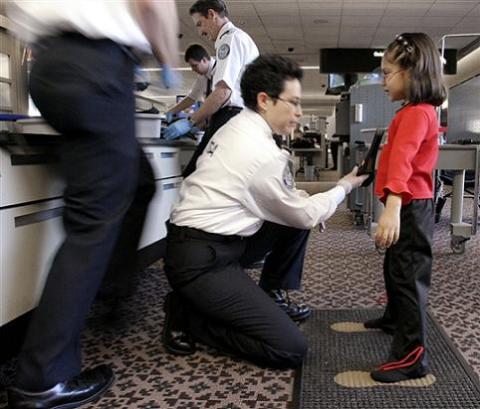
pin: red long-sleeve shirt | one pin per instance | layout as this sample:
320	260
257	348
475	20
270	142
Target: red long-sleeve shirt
408	159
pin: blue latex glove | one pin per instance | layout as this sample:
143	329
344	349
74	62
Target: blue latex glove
177	129
170	78
169	117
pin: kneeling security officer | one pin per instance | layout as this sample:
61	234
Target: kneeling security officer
239	203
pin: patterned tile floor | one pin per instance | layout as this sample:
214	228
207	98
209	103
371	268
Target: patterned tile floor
342	270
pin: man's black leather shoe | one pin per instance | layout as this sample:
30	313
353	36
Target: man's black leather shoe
78	391
175	338
297	312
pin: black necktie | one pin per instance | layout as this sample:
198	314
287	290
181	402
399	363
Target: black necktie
209	87
209	80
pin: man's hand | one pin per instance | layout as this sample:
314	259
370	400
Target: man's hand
177	129
170	78
351	181
169	117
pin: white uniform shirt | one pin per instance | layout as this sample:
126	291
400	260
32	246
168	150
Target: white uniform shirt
92	18
235	49
243	178
199	88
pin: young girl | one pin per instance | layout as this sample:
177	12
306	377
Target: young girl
412	72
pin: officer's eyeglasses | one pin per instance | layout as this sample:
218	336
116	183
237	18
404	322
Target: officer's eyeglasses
296	103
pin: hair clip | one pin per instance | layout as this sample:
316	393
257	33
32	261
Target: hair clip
408	47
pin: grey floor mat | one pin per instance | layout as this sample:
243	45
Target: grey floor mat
332	352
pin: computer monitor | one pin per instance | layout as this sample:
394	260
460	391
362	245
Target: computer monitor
338	83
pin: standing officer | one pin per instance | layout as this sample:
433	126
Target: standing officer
217	226
234	50
82	83
201	63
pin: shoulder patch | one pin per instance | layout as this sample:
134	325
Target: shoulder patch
223	51
288	179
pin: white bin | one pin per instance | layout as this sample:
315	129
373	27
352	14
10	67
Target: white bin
148	125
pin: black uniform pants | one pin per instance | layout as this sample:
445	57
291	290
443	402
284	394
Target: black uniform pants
222	306
122	272
83	88
407	271
217	120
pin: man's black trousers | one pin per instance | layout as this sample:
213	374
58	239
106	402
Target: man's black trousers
83	88
222	306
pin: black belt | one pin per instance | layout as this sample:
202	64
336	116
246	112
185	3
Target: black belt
230	108
183	232
78	37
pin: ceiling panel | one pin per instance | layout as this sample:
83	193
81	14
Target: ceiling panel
280	20
284	33
358	10
281	9
329	40
320	5
470	23
241	9
445	22
451	8
418	1
391	21
320	30
312	21
357	31
407	9
360	21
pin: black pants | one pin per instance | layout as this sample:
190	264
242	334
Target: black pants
407	270
83	88
217	120
122	272
222	306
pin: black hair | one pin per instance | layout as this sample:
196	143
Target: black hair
202	7
417	53
267	73
196	52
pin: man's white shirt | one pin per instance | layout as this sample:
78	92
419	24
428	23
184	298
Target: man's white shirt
98	19
243	178
234	50
199	87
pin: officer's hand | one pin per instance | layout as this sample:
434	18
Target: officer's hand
177	129
170	78
169	117
351	180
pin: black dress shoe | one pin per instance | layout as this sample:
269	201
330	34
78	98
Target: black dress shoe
78	391
297	312
175	338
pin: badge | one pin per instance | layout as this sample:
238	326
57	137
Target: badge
288	179
223	51
211	148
